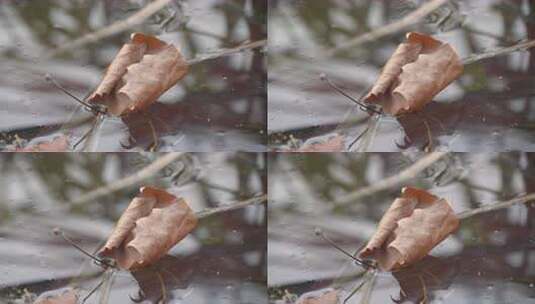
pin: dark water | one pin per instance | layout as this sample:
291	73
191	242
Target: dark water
489	259
222	261
490	108
220	105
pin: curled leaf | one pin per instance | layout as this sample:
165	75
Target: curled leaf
154	222
413	225
324	296
418	70
143	70
60	296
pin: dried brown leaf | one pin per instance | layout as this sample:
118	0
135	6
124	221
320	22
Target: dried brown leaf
413	225
333	143
327	296
143	70
58	144
418	70
154	222
61	296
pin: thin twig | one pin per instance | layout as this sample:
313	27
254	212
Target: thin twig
90	107
363	263
497	205
98	260
114	28
257	200
391	181
227	52
130	180
392	28
523	46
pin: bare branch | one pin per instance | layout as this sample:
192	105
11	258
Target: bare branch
391	181
392	28
497	205
227	52
129	181
523	46
232	206
114	28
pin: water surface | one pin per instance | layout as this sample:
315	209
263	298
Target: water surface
221	261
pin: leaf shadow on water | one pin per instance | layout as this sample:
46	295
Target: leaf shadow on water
172	273
418	281
166	275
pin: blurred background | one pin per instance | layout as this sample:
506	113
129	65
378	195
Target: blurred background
222	261
220	105
490	108
491	257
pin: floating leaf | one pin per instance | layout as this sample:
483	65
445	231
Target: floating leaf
57	144
60	296
331	144
413	225
324	296
152	224
418	70
142	71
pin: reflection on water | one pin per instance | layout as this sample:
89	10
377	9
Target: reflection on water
491	257
488	109
223	259
220	103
